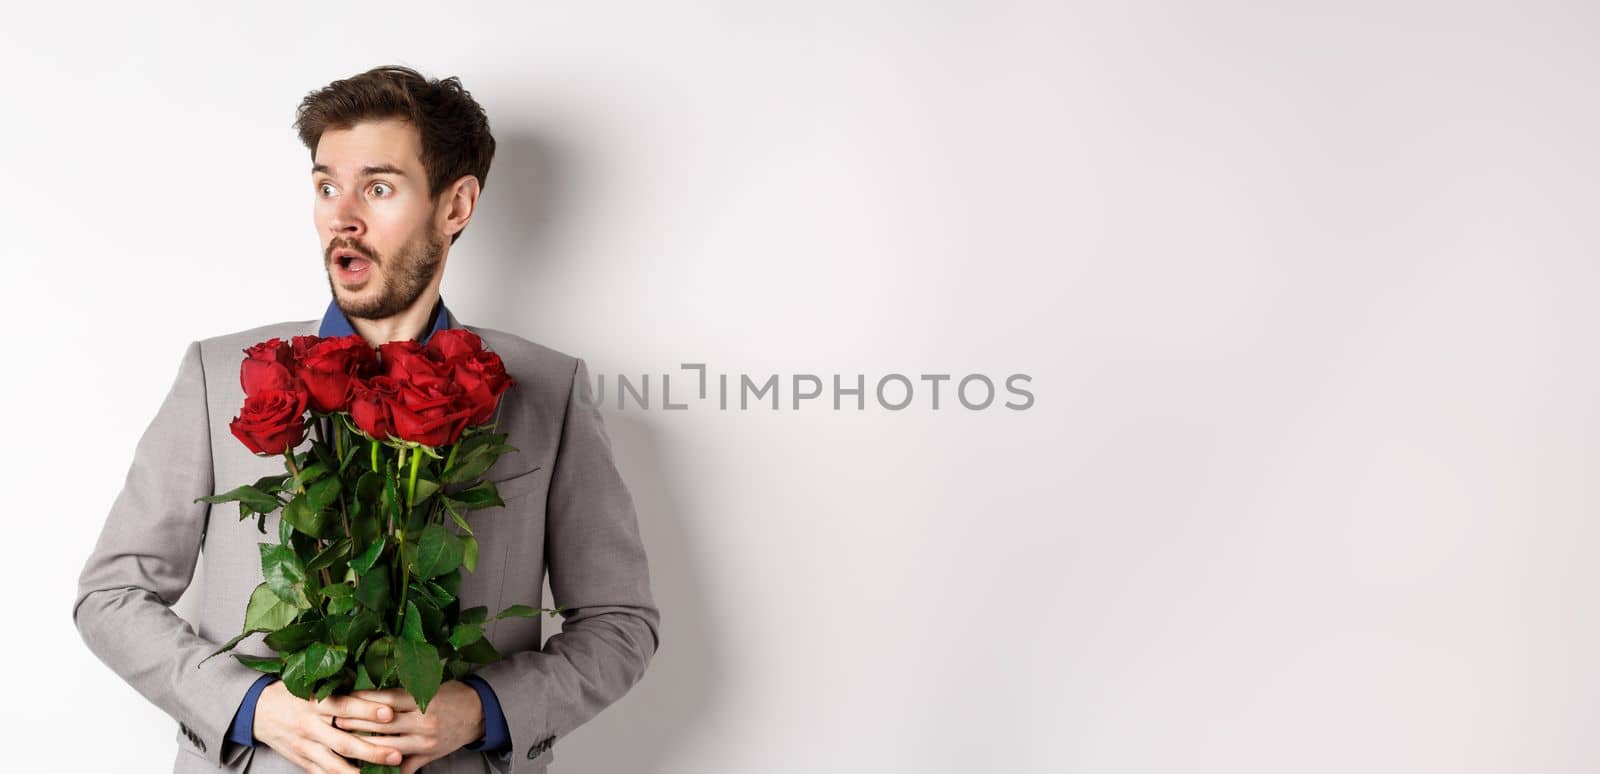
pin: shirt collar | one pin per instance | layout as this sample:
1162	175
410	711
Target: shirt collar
334	323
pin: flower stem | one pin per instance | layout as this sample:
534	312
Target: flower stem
411	489
405	572
338	441
288	457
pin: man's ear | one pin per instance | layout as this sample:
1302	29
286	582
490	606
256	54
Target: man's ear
460	200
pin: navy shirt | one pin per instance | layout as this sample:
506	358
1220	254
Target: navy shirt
496	733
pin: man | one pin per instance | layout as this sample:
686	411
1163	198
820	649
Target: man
398	164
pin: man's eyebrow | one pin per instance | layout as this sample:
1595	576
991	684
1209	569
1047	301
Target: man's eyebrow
367	171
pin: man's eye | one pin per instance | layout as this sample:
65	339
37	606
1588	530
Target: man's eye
381	189
326	189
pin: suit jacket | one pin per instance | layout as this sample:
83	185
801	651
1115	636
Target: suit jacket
567	510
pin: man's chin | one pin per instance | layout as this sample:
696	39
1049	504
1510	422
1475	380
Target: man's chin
356	305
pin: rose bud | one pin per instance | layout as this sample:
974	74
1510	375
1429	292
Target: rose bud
482	375
330	366
453	342
267	366
369	407
272	421
433	414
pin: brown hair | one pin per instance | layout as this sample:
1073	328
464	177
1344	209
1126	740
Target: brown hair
455	131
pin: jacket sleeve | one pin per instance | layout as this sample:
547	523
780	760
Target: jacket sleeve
598	569
141	564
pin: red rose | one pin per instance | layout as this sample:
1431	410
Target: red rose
453	342
408	362
369	406
330	366
272	421
482	375
432	412
300	345
267	366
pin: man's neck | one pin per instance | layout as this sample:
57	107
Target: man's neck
409	324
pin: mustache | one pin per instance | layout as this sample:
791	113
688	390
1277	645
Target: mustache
342	243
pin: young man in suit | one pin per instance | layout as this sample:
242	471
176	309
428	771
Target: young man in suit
398	164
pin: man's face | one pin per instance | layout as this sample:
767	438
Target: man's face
380	243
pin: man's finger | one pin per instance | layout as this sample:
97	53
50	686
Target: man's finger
416	762
404	723
356	707
352	746
393	697
327	762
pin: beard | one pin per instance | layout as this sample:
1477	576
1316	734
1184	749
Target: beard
405	276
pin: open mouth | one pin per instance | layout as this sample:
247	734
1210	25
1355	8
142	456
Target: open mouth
352	265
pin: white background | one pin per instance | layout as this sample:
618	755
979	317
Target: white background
1306	293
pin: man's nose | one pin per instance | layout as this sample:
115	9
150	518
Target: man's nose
347	220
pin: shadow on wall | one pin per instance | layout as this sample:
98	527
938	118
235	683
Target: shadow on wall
528	213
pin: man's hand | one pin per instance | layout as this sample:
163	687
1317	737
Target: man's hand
454	719
303	731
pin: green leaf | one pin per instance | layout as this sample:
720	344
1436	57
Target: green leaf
483	495
349	454
476	441
255	499
300	514
373	588
226	646
438	551
380	659
296	636
432	616
323	493
391	499
328	555
363	681
474	615
271	666
272	483
267	611
469	554
519	611
425	489
420	670
441	595
363	625
369	557
412	629
326	690
474	457
284	574
370	486
323	660
465	634
341	598
460	522
295	677
469	469
450	582
480	651
313	472
366	527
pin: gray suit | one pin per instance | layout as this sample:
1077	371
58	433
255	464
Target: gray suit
566	506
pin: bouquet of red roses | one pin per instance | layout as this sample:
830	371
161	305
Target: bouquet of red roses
361	589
